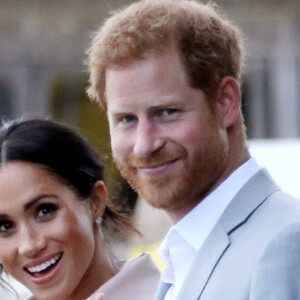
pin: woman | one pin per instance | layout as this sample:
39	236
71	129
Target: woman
54	220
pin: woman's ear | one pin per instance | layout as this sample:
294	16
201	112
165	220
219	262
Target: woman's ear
98	200
229	101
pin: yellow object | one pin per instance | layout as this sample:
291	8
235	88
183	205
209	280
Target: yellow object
135	250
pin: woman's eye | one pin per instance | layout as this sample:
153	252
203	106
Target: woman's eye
46	210
6	226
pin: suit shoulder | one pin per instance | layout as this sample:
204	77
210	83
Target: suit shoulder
283	206
277	273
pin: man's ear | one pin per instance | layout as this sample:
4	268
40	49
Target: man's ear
98	200
229	101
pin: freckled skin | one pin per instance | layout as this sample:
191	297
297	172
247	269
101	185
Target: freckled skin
165	139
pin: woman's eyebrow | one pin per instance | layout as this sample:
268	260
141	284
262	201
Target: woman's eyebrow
4	216
29	204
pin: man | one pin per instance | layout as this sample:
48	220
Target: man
168	74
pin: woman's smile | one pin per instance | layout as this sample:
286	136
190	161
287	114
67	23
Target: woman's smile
47	234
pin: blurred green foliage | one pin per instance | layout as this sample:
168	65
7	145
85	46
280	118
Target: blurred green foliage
70	105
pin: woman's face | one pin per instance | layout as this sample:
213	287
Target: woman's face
47	235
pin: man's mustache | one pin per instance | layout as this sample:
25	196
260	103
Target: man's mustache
157	158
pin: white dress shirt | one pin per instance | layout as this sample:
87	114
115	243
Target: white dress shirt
180	246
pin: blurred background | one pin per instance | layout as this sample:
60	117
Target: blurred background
42	49
43	43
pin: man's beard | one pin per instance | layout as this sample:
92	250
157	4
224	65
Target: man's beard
194	178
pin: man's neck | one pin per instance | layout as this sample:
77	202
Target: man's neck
236	161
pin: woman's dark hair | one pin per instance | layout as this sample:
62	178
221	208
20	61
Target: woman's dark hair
54	146
65	154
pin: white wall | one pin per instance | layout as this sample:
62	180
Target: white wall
282	159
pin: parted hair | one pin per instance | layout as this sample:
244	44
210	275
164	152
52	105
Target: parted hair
210	47
65	155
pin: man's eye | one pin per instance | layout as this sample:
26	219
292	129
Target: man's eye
170	111
46	210
6	226
128	119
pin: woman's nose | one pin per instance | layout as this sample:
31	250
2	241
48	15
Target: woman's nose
31	242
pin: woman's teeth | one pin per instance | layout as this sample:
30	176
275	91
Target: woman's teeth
44	265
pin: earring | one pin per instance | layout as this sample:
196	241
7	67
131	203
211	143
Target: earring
99	221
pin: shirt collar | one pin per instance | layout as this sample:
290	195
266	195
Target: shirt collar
206	214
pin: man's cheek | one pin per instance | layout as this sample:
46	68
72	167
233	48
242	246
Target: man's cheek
119	151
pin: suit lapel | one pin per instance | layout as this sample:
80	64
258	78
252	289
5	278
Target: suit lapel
250	197
247	200
205	262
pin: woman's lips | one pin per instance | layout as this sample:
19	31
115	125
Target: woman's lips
44	272
37	268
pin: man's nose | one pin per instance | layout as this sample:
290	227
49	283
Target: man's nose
148	138
31	242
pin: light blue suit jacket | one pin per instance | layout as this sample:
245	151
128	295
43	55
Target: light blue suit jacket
253	252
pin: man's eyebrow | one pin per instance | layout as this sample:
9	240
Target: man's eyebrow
167	102
29	204
165	105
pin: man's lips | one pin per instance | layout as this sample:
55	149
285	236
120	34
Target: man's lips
155	169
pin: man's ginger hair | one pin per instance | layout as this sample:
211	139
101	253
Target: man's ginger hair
210	47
